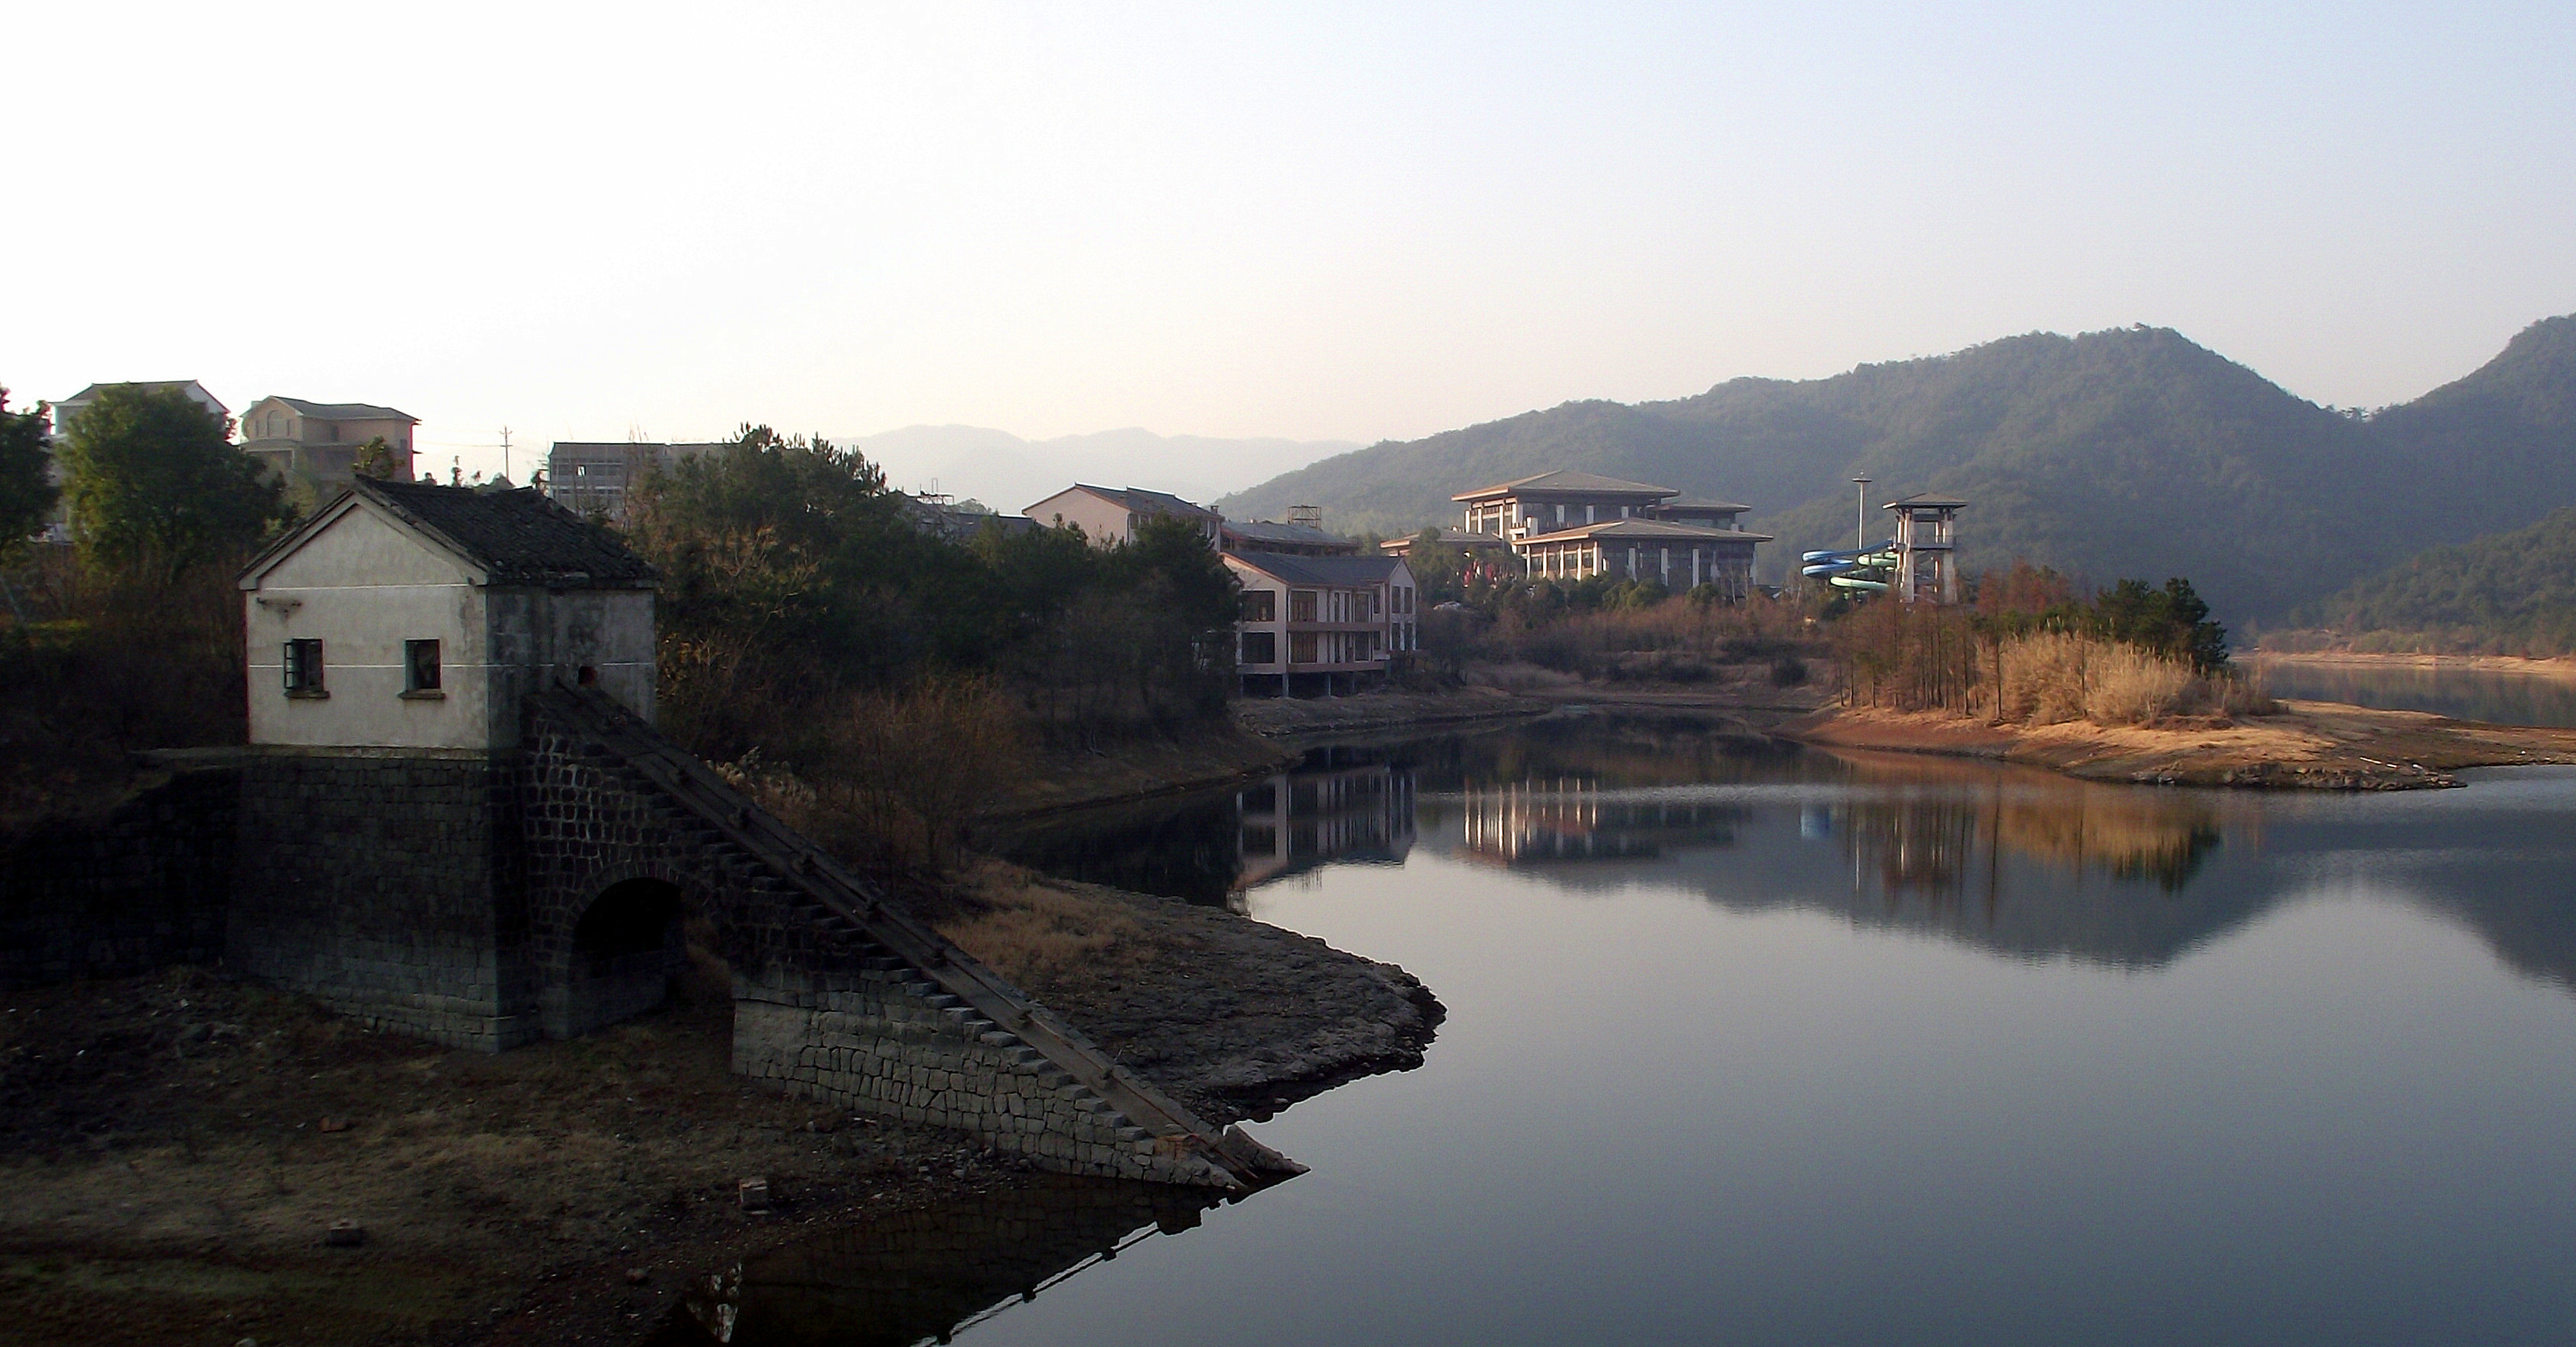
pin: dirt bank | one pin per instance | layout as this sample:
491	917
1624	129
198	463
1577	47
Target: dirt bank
1234	1017
177	1148
2316	745
1134	769
1297	718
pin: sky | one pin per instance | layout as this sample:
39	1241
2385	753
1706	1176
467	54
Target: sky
1313	221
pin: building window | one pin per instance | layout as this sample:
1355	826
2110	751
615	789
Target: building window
420	667
1301	605
1260	647
1260	605
1301	647
304	667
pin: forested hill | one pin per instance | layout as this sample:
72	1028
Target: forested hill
2127	452
2506	594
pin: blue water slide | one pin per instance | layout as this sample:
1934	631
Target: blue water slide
1865	569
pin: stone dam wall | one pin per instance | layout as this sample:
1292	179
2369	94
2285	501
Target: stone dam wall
144	887
488	900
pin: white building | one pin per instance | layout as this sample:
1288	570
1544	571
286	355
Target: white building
406	615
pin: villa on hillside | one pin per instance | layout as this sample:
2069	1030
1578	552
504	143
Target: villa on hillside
1321	624
320	440
1568	525
1109	516
1317	618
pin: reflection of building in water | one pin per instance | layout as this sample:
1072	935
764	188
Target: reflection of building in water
1328	810
926	1274
1947	847
1569	819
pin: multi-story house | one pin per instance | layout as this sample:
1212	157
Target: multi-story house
1109	515
592	478
1317	618
1574	525
59	528
1321	624
319	441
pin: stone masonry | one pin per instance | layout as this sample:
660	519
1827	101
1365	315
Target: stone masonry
489	899
835	997
382	882
143	887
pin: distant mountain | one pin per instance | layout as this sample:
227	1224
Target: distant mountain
1008	473
2506	593
2126	452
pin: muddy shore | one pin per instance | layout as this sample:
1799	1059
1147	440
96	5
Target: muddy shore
2309	745
179	1146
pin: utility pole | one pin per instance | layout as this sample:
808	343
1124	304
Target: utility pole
505	451
1860	535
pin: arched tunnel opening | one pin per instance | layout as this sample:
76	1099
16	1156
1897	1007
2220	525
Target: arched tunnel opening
628	946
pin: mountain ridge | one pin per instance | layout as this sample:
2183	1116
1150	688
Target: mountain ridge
2128	451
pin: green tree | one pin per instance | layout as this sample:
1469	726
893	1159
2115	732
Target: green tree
26	496
157	488
376	459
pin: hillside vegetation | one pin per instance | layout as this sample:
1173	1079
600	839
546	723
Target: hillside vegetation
2504	594
2126	452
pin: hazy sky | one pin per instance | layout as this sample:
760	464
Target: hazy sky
1311	220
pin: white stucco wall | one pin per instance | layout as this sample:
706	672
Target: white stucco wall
363	587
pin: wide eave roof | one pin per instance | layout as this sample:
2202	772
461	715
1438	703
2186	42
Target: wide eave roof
1318	570
1643	529
1568	480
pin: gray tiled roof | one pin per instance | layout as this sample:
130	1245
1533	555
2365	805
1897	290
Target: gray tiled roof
1320	570
1264	531
344	411
1567	479
518	537
1143	501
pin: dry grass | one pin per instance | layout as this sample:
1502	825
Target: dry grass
1040	936
889	780
2051	678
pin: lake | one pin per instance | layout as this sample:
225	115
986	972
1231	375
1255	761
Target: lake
1758	1045
2499	696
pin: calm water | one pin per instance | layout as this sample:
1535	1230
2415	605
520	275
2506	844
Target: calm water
1797	1048
2471	694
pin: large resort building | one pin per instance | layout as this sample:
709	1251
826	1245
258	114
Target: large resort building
1575	525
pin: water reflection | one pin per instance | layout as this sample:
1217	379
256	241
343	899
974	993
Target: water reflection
1339	805
1346	805
2020	862
1994	1096
929	1274
1526	823
2498	696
